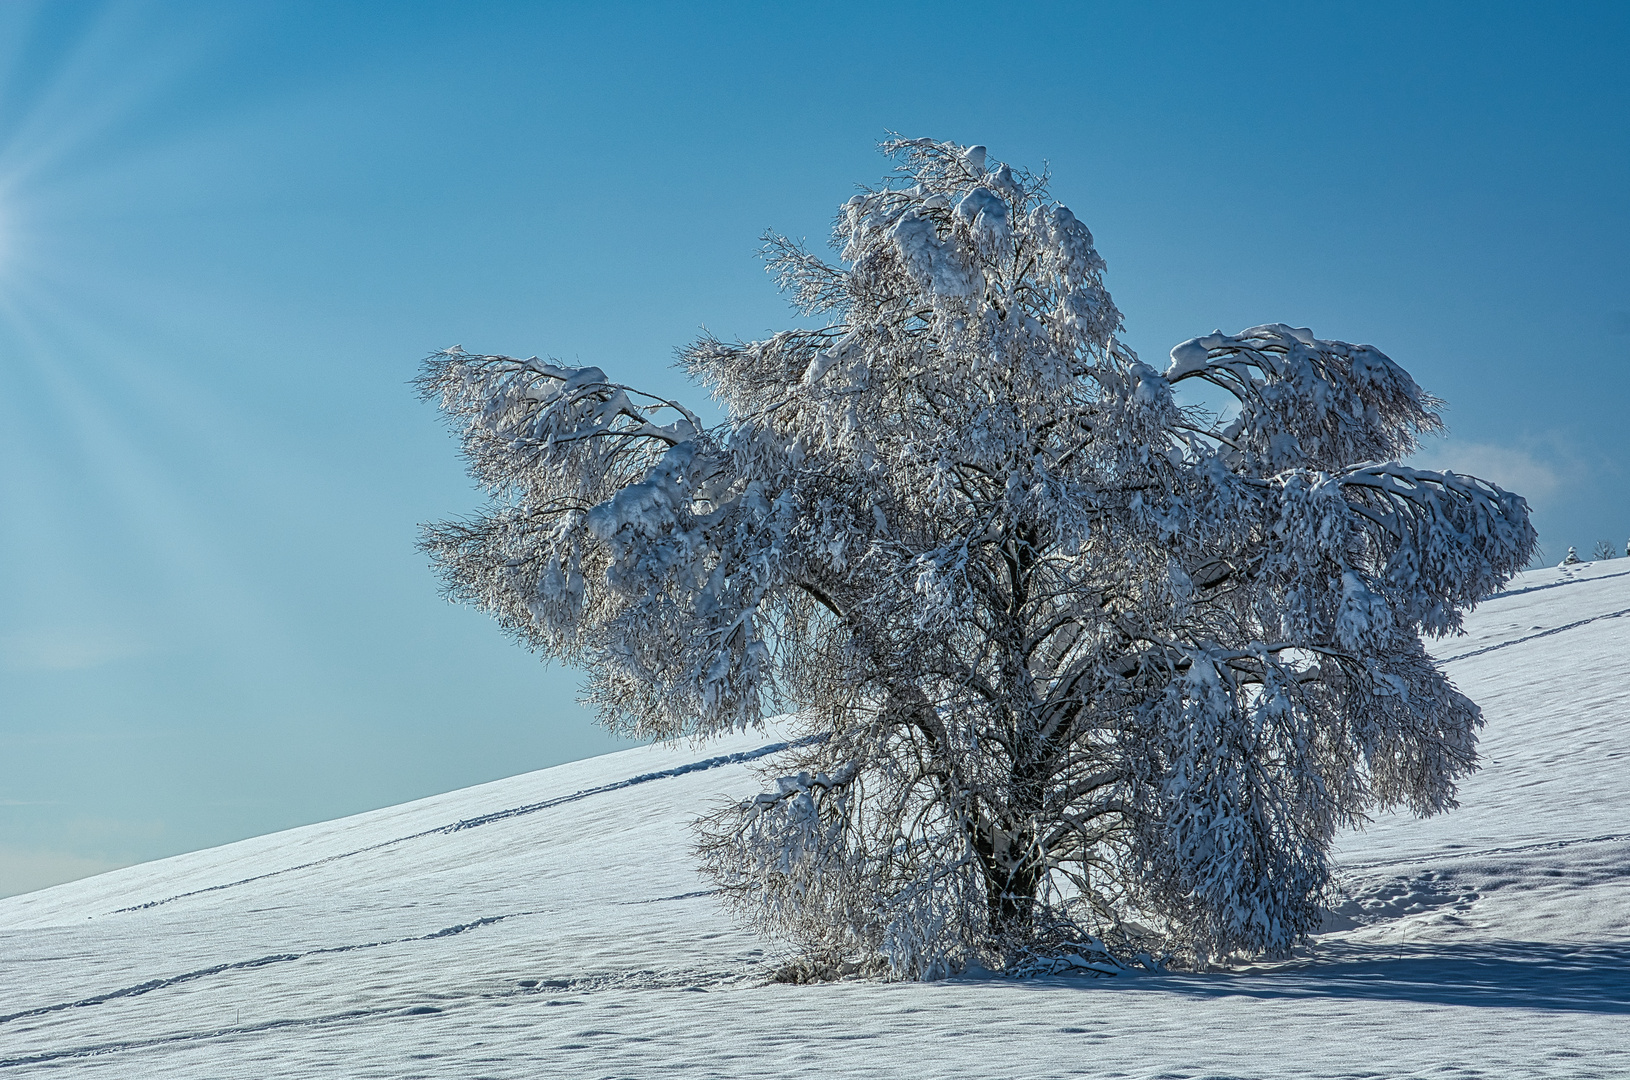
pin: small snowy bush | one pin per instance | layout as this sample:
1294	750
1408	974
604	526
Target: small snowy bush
1086	670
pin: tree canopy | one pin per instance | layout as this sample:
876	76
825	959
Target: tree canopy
1083	670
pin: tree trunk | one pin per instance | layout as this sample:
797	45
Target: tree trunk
1012	880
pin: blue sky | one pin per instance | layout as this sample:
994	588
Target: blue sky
229	232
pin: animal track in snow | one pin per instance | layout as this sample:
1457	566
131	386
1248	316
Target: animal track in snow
1398	898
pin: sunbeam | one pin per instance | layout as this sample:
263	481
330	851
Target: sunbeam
90	401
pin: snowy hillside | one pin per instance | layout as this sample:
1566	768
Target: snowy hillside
550	925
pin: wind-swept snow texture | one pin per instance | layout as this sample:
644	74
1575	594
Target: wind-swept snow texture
551	925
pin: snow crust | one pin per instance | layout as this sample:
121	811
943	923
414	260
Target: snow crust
551	924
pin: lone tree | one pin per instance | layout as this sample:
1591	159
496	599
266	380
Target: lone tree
1082	668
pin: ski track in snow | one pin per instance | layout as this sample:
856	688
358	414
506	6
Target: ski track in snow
1533	637
138	1044
550	925
1554	845
262	961
487	819
1573	576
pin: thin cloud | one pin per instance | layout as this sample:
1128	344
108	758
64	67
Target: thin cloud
67	649
1536	476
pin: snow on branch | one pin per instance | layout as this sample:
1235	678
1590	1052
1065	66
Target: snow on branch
1305	402
1453	540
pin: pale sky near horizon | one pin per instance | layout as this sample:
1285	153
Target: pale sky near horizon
230	232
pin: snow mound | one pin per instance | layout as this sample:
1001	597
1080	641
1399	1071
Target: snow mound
550	924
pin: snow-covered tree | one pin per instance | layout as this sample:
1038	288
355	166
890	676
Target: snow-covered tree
1082	667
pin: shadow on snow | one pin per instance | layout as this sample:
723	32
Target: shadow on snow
1513	975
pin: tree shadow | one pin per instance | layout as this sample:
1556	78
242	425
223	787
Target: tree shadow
1517	974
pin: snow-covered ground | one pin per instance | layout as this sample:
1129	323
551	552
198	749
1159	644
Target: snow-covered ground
551	925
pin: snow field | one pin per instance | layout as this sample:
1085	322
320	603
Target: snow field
1491	941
